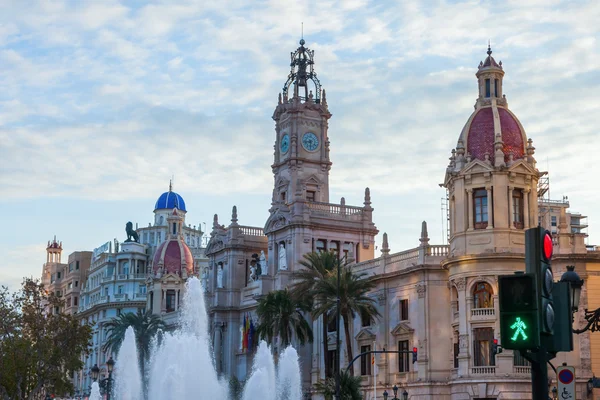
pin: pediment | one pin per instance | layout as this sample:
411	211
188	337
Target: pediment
312	180
521	166
277	220
403	328
282	182
215	243
476	166
170	278
365	334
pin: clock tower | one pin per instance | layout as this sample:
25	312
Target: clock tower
301	160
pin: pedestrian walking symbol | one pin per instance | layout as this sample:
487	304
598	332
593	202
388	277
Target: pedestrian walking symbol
519	328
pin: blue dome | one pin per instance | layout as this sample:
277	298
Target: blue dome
170	200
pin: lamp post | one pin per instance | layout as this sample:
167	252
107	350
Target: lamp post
109	365
337	335
95	371
554	393
575	282
385	395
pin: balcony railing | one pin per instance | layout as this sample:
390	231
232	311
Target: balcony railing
488	370
140	296
335	210
521	370
107	278
252	231
483	313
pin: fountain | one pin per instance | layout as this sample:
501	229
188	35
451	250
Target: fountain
129	381
95	393
181	365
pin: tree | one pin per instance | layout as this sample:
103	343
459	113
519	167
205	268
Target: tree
279	314
39	351
317	266
354	299
145	326
349	387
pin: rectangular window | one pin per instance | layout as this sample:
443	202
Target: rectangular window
103	313
320	246
482	347
151	237
481	208
456	350
70	267
310	195
282	196
75	301
77	265
52	278
496	93
365	319
120	289
346	250
403	358
404	310
174	228
487	88
170	300
159	237
552	219
518	208
335	246
106	291
331	325
76	283
70	285
142	289
332	354
519	360
58	275
69	302
365	361
118	311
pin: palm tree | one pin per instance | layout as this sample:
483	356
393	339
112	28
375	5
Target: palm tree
349	387
279	314
317	267
145	326
354	299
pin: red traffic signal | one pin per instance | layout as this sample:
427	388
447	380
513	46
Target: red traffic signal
548	246
414	355
495	341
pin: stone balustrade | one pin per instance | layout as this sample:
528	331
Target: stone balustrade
487	370
252	231
336	211
521	370
483	313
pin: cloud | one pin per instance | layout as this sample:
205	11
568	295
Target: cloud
108	99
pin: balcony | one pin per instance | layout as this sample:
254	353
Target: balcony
107	278
483	314
140	296
521	370
487	370
120	296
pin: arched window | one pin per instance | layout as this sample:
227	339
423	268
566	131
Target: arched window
482	296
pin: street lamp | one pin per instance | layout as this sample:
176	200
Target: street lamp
95	371
385	395
109	365
575	282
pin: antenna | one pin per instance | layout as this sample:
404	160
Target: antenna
302	31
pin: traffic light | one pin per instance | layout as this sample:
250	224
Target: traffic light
538	257
414	355
519	317
496	349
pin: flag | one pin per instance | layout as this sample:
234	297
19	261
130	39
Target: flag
247	331
251	338
244	336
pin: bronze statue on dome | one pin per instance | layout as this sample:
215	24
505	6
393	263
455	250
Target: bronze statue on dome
132	235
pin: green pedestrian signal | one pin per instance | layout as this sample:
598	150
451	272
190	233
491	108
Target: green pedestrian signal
519	324
519	328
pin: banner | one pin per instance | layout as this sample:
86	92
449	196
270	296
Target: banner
105	248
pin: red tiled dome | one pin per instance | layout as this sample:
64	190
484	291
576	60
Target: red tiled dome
173	254
480	136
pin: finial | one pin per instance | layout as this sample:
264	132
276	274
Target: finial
367	195
489	52
215	221
385	246
424	239
171	185
343	201
302	31
279	99
234	217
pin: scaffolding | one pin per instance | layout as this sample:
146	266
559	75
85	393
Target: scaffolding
445	213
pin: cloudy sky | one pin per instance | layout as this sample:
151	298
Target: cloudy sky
101	102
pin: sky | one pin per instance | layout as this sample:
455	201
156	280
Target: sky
102	102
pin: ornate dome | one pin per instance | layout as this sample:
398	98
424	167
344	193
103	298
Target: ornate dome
170	200
492	132
173	255
480	134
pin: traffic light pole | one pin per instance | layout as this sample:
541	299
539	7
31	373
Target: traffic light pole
539	373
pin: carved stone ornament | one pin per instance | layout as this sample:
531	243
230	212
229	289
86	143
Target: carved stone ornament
421	289
381	299
463	341
461	283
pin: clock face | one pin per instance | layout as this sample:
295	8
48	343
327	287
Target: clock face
310	141
285	143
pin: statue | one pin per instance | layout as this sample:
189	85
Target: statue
220	277
132	235
263	263
282	258
253	275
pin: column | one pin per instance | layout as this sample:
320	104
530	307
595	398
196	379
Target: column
490	207
463	334
470	205
176	300
526	208
131	267
511	218
163	303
